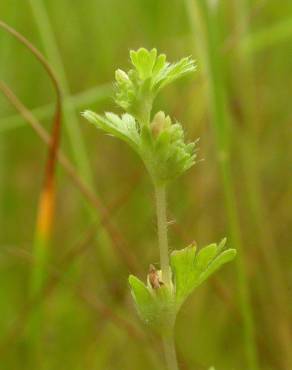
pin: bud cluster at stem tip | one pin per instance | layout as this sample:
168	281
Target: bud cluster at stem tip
158	141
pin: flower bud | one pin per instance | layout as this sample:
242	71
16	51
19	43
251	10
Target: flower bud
160	123
121	76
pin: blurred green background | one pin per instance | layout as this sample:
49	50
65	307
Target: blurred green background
238	103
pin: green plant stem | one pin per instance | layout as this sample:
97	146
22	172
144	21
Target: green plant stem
167	338
160	193
145	114
170	353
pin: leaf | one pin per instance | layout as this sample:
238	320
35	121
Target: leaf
160	142
156	307
172	72
191	269
222	258
222	244
206	255
143	299
160	64
139	86
168	156
144	61
124	127
182	264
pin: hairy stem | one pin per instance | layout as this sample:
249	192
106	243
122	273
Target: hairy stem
167	338
160	193
170	353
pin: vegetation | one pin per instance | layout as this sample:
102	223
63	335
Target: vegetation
160	144
77	215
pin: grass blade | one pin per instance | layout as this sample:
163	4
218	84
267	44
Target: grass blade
70	103
205	26
46	201
71	122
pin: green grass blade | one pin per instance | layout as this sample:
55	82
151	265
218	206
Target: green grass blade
268	37
249	148
71	121
205	25
71	103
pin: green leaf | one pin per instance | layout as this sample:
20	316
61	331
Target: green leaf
168	156
144	301
159	142
205	255
144	61
124	127
173	72
160	64
191	269
156	307
161	145
136	89
182	264
220	260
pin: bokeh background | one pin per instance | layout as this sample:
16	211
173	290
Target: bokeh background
238	103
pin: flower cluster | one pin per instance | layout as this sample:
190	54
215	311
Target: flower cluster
159	142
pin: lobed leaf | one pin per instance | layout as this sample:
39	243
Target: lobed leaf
123	127
143	299
151	72
191	269
144	61
220	260
156	307
182	264
165	153
172	72
160	143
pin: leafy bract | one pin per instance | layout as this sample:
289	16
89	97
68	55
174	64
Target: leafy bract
144	300
190	269
136	89
149	65
124	127
159	142
164	151
158	307
160	145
